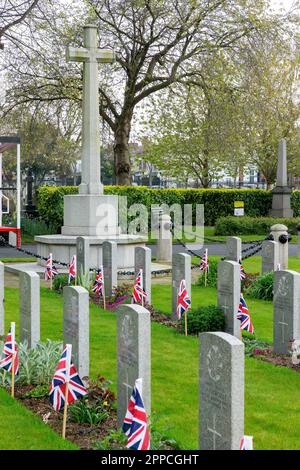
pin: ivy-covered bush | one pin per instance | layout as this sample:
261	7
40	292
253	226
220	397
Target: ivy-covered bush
201	319
262	287
252	225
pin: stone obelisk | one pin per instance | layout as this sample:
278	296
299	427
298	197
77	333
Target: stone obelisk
281	201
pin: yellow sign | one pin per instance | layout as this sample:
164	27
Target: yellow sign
238	204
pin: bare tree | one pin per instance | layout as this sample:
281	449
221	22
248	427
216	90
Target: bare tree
12	13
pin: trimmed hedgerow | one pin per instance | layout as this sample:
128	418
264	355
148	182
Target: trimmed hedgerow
218	203
201	319
252	225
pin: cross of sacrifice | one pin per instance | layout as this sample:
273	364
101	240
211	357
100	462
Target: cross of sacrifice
214	432
90	55
128	387
283	324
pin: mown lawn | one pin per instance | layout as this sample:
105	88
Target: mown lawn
272	393
21	430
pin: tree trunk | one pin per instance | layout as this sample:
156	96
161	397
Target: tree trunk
121	151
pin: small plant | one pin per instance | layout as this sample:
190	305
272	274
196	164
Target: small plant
254	347
201	319
38	392
262	287
61	281
90	413
212	275
116	440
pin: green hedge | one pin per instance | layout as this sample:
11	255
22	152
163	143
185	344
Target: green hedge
217	202
252	225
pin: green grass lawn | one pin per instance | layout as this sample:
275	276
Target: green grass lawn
272	413
21	430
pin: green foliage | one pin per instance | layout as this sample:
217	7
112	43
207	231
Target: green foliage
252	225
254	346
217	202
90	413
60	281
115	440
38	226
201	319
36	366
262	287
39	391
212	276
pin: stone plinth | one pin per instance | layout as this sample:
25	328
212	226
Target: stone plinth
63	247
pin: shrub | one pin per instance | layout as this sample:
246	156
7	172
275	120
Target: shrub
201	319
37	365
262	287
212	276
36	227
252	225
217	202
60	281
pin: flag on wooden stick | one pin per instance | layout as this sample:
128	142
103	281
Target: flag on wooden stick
73	270
135	424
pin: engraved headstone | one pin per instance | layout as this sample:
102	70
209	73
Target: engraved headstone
76	326
286	310
229	290
221	391
181	269
29	308
142	261
110	266
269	256
234	249
83	255
134	355
1	299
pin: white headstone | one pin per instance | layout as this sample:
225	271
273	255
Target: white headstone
134	355
229	290
143	261
76	326
181	269
234	249
29	308
110	266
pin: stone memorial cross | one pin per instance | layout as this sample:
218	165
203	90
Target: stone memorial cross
90	55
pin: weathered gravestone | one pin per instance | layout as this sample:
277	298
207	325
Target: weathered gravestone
181	269
110	266
221	391
134	355
229	290
83	255
286	310
142	260
76	326
29	308
269	256
234	249
1	299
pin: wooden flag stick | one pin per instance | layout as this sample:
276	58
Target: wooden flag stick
68	365
104	297
185	323
13	336
65	412
205	278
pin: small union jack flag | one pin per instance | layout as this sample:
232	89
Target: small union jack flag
135	422
65	373
98	286
10	350
244	316
246	443
138	289
50	271
183	300
72	270
242	272
204	264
